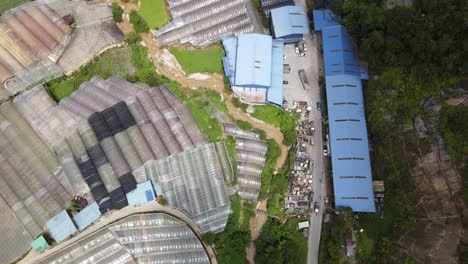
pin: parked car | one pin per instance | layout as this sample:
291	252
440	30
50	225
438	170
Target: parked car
325	150
312	141
327	200
319	106
285	82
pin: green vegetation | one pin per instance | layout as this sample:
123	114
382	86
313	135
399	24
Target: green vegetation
9	4
138	22
413	53
244	125
237	103
231	148
117	12
248	212
154	12
454	127
334	237
279	118
272	155
205	60
112	62
132	38
281	244
279	186
230	245
266	22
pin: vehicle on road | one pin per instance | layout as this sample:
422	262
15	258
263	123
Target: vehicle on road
317	207
319	106
285	82
312	141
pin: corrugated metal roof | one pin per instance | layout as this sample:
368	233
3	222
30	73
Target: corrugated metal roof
275	93
229	61
253	63
40	244
289	20
142	194
352	175
61	226
340	56
324	18
87	216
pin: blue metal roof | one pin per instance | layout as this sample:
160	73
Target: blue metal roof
253	62
87	216
324	18
352	174
275	93
229	61
142	194
61	226
339	52
289	20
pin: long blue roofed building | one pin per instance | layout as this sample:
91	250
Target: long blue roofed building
352	174
254	66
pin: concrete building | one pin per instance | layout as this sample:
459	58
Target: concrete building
254	66
289	23
352	174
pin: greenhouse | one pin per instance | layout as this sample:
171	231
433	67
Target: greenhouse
193	181
201	23
141	238
100	143
250	156
38	45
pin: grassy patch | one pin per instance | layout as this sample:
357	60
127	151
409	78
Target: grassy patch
9	4
279	118
112	62
205	60
154	12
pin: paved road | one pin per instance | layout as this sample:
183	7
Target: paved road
295	92
316	153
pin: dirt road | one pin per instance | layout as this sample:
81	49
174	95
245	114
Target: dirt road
256	225
167	65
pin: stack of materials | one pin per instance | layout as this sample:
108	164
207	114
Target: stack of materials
250	154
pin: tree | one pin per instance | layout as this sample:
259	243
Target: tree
117	12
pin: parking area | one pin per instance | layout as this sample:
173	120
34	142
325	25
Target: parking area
294	90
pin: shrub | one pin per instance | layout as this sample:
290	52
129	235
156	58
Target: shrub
139	24
117	12
132	38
